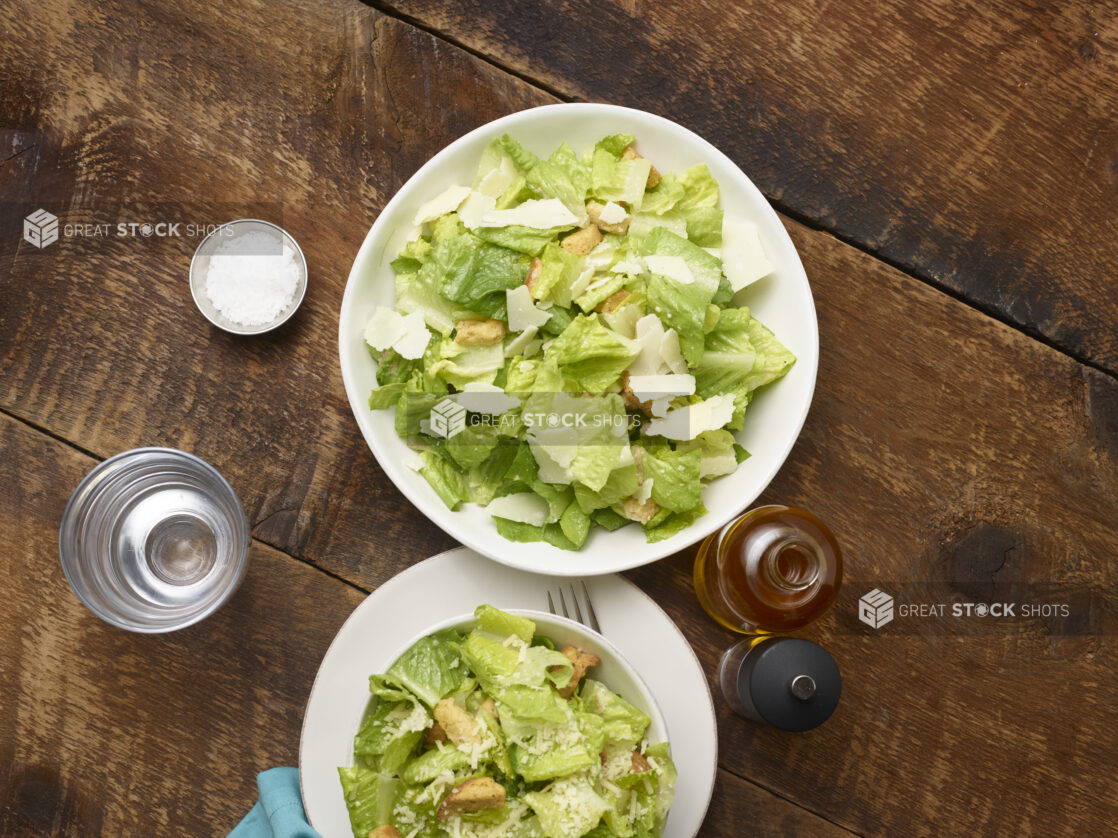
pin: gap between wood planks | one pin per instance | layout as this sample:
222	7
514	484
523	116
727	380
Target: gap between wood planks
781	207
99	459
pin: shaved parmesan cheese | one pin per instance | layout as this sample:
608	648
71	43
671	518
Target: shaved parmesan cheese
743	255
647	387
526	508
717	465
598	283
660	407
669	352
517	345
481	397
685	423
475	208
534	213
415	339
554	449
384	328
501	178
644	491
441	204
613	213
582	282
623	320
673	267
522	311
390	329
650	337
650	334
628	266
602	255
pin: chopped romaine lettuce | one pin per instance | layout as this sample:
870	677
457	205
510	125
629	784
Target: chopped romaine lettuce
573	446
497	705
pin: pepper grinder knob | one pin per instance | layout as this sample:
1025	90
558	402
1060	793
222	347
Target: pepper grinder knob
802	687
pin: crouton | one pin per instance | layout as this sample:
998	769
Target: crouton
479	332
435	733
634	510
581	661
583	241
613	301
630	398
639	763
594	210
473	795
460	727
385	831
535	270
654	177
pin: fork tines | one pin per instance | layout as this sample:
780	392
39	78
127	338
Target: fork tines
591	618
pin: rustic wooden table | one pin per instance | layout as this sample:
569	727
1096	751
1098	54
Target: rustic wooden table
949	173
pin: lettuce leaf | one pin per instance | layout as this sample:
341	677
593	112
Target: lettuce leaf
682	306
499	622
741	355
590	356
624	723
618	180
704	226
675	477
699	188
368	797
615	144
428	669
558	269
568	808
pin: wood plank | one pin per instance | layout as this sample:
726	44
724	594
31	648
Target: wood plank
743	808
107	732
99	338
932	428
104	732
973	144
930	421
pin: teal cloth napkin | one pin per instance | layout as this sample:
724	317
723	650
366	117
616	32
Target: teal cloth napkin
279	812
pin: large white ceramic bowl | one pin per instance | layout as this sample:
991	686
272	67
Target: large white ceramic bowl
782	301
333	715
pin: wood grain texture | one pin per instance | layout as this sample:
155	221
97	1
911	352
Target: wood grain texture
955	457
971	143
105	732
931	423
133	111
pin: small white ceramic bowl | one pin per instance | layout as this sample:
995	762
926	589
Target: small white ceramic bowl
615	672
782	301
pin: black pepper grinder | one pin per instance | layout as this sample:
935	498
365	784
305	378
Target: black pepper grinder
789	683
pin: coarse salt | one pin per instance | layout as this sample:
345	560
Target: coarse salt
252	278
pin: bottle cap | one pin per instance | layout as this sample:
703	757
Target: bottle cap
789	683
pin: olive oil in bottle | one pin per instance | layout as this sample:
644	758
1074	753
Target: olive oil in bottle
775	569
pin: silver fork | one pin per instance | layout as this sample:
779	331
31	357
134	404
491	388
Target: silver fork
591	618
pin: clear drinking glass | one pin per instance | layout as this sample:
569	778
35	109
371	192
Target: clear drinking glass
154	540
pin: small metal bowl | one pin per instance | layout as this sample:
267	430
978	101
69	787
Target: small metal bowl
199	267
